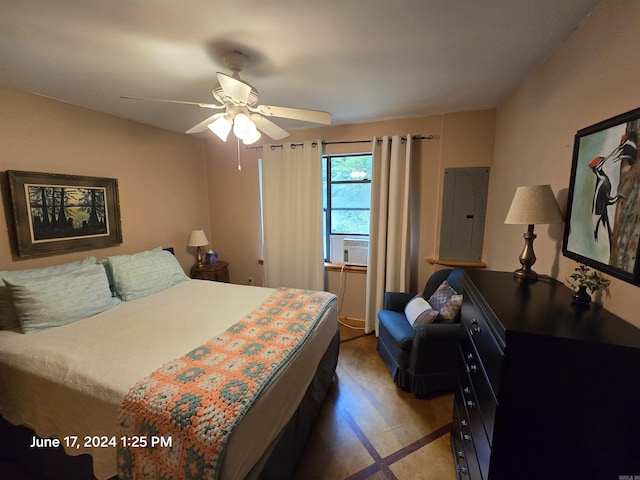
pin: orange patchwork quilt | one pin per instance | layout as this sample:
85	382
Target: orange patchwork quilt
178	420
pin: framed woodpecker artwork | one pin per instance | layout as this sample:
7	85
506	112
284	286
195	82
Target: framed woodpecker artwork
602	227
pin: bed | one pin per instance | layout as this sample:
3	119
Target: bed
69	381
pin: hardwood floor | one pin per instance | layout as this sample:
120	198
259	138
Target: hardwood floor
370	429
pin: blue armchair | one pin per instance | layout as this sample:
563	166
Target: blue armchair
422	360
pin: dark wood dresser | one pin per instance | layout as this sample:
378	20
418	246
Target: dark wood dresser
547	389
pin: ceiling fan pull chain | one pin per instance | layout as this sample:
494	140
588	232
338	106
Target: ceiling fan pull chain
239	166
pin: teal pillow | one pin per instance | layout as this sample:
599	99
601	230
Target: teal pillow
56	300
8	318
105	264
141	274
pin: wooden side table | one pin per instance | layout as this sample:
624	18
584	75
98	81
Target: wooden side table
218	271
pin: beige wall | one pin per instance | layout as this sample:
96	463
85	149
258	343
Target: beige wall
161	175
590	77
464	139
171	183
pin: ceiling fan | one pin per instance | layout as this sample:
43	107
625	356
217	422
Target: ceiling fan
239	100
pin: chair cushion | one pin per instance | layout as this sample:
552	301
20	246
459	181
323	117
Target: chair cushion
399	329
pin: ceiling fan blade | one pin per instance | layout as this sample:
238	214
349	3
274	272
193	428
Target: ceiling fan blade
202	126
314	116
164	100
237	91
268	127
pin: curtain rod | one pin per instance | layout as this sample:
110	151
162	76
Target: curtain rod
314	144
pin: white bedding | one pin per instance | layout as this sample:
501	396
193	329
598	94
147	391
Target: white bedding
71	380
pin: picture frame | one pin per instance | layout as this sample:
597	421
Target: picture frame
602	227
55	213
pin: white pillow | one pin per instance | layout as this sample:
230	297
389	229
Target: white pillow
419	312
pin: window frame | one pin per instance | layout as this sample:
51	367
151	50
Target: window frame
327	211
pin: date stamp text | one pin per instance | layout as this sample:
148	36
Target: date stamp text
103	441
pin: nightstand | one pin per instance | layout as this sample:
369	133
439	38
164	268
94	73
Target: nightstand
218	271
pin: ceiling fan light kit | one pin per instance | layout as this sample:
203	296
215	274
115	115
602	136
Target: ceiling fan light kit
245	129
221	127
239	100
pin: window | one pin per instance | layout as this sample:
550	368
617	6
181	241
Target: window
346	202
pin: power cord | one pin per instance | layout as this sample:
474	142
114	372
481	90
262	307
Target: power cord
341	290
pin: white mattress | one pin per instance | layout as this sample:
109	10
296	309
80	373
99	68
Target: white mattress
71	380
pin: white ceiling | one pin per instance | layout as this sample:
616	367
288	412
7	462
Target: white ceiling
360	60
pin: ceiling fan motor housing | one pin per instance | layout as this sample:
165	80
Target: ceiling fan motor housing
218	93
236	62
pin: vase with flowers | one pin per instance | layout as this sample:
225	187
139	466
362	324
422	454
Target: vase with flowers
583	279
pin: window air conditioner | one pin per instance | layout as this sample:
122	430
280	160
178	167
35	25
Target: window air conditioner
350	251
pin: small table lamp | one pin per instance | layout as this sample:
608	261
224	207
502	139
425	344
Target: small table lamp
531	205
198	239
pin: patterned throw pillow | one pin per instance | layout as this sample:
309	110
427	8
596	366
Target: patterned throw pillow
447	301
419	312
450	309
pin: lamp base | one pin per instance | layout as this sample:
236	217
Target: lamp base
525	274
527	257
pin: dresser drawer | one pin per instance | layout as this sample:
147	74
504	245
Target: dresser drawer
478	426
459	452
470	402
464	454
473	376
487	348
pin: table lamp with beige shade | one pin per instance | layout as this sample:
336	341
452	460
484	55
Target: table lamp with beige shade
533	204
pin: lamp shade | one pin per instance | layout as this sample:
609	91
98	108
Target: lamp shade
197	238
534	204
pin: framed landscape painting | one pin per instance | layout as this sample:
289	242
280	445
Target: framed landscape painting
603	214
56	213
